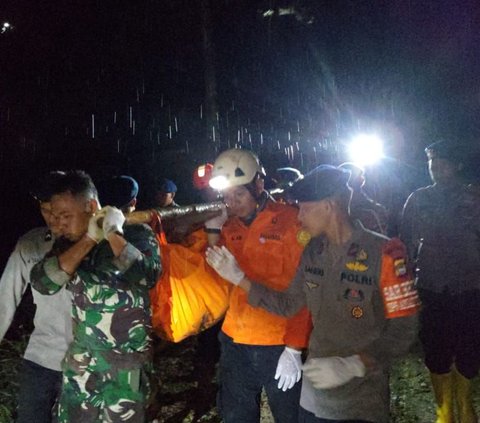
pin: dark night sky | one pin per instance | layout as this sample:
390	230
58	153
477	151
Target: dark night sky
137	69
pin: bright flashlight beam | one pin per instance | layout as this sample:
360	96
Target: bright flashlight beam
219	182
366	149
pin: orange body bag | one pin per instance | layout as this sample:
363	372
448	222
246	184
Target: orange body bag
189	296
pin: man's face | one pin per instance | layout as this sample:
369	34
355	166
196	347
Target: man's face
164	199
72	214
51	221
239	201
314	216
441	170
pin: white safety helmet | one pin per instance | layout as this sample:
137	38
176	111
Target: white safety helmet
234	168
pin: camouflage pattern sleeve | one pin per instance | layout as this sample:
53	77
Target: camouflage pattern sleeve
140	260
47	277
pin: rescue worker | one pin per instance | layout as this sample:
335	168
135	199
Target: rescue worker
258	349
109	270
440	227
40	373
373	215
357	287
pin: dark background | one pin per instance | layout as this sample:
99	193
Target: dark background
156	87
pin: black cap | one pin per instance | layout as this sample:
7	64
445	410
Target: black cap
118	191
446	150
320	183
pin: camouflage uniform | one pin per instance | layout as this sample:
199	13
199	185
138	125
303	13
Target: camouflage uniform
104	371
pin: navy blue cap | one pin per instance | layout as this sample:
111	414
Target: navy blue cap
118	191
320	183
167	185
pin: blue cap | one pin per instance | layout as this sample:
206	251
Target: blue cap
167	186
118	191
320	183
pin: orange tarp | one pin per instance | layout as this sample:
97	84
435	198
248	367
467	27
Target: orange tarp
189	296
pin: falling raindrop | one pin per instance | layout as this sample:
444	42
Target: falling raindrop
213	133
176	125
115	117
187	147
93	126
133	127
170	131
201	111
130	116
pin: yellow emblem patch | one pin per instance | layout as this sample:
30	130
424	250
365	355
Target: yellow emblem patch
303	237
357	312
356	266
362	255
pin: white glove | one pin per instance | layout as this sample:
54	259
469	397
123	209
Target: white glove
95	230
331	372
216	223
113	220
225	264
289	368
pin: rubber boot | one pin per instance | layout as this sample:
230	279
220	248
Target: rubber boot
443	390
463	396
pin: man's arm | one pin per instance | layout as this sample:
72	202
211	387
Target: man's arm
286	303
408	226
137	255
12	287
56	269
399	302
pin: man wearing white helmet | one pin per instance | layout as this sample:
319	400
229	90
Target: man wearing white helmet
258	349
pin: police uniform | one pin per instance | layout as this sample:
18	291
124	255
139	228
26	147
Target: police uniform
103	371
362	301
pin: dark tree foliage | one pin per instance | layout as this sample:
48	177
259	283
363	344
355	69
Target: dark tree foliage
150	87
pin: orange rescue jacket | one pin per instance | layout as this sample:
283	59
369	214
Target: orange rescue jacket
268	252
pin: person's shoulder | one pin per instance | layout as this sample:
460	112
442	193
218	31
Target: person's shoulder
372	236
137	230
282	209
34	236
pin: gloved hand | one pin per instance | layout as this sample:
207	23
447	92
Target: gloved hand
330	372
113	221
95	229
216	223
289	368
225	264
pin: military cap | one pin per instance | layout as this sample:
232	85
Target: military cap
166	185
119	191
320	183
